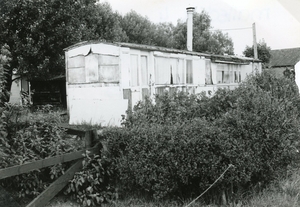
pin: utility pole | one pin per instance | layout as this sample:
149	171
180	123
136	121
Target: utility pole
254	41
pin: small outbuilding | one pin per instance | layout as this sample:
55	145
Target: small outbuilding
282	60
104	79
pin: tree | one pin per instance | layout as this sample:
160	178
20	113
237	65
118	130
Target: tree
263	51
138	29
220	43
204	40
164	35
38	31
4	66
107	23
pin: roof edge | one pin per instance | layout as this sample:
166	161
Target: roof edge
162	49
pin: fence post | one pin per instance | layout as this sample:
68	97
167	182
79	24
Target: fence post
88	138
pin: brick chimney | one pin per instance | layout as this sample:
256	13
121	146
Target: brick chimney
189	42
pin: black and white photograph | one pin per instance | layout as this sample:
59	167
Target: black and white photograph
149	103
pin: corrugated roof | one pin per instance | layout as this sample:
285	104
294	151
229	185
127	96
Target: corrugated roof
284	57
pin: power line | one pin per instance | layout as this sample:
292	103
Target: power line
243	28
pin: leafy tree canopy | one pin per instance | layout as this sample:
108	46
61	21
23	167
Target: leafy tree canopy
38	31
263	51
204	40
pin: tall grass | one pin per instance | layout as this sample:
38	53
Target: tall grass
283	193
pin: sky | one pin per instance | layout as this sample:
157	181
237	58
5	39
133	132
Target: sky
277	22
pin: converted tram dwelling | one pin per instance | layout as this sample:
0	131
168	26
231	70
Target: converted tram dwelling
104	79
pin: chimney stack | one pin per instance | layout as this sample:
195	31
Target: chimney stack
189	42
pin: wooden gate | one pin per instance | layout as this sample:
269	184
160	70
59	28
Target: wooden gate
62	181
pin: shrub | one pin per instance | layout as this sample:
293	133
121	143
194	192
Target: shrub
94	184
170	160
180	143
264	126
32	137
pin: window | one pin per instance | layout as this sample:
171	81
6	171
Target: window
93	68
208	73
177	70
108	69
189	72
134	70
227	73
76	69
144	68
162	70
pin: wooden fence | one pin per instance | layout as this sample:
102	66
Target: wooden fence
62	181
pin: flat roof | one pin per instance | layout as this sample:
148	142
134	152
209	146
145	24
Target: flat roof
213	57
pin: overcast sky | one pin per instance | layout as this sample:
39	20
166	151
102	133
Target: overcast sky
277	21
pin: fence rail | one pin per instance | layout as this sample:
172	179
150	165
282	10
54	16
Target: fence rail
62	181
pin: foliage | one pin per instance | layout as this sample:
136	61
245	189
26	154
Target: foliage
164	35
138	29
93	184
263	51
38	31
204	40
4	62
32	136
5	59
178	107
107	24
180	145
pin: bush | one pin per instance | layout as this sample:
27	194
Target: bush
94	184
264	126
178	144
171	160
32	136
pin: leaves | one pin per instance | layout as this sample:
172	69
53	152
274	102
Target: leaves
32	136
92	185
263	51
182	143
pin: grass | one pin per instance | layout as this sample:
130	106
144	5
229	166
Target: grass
283	193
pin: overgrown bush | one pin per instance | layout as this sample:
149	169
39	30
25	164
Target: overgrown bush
179	144
32	136
95	183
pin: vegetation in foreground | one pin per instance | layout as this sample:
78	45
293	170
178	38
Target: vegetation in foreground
281	193
174	149
169	152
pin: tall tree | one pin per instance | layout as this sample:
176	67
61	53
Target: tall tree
164	35
138	29
204	40
107	23
220	43
38	31
263	51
